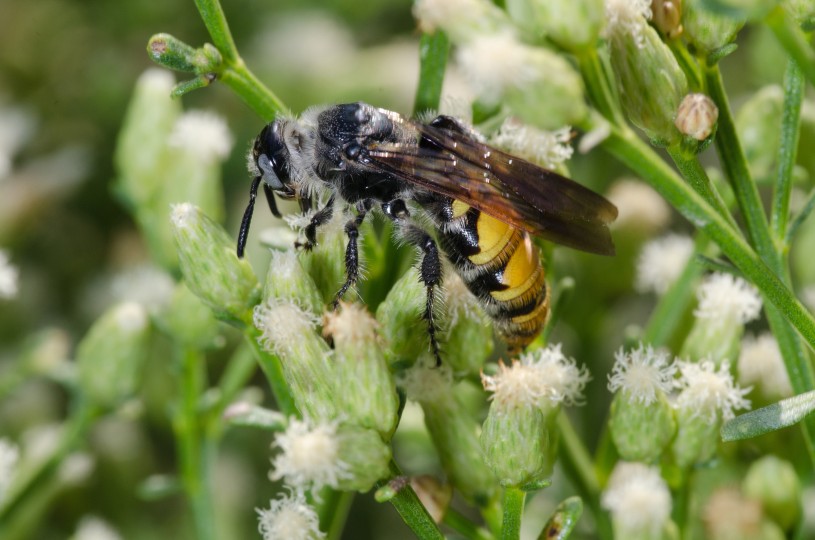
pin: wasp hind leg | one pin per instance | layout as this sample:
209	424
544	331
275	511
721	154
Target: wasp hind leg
351	252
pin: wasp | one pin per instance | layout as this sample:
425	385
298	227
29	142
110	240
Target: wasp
483	203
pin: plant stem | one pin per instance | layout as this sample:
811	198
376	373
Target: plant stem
413	513
270	364
213	16
334	512
513	511
433	52
787	151
193	452
238	371
698	179
794	41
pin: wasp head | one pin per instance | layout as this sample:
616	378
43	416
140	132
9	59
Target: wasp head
272	160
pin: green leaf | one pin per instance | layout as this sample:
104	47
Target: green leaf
771	418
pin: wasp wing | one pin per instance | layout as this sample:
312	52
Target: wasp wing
501	185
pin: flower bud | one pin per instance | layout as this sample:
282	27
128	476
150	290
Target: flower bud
366	392
288	280
467	340
111	355
344	456
571	24
453	429
210	266
519	437
290	333
726	304
189	320
696	117
642	421
650	81
171	52
708	29
775	483
326	262
400	317
667	17
536	84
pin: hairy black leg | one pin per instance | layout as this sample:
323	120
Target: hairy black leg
247	217
430	275
351	253
321	217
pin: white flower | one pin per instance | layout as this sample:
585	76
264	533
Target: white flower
495	62
639	205
707	392
628	17
9	276
542	378
289	517
546	148
725	296
638	499
282	324
309	456
202	133
661	261
761	364
642	372
424	382
9	456
94	528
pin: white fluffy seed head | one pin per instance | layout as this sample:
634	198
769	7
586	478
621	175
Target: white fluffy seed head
661	262
546	148
309	456
726	296
760	364
638	499
203	134
708	392
642	373
290	517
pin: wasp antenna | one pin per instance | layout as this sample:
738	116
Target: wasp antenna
267	189
247	216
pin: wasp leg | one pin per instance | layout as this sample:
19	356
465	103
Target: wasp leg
321	217
352	252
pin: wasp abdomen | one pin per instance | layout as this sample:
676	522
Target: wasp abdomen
501	266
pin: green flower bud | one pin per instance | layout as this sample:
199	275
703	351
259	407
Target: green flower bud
288	280
366	393
344	456
758	124
667	16
536	84
726	304
467	339
571	24
650	81
211	267
400	317
696	439
189	320
519	437
326	263
802	11
641	432
171	52
453	429
290	333
110	356
775	483
696	117
142	142
707	29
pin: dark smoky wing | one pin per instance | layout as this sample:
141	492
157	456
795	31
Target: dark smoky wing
504	186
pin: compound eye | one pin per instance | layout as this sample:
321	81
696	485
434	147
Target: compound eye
353	150
267	168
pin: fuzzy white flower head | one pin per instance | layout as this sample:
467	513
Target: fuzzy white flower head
309	456
642	372
495	62
281	323
94	528
352	323
9	276
709	393
183	215
661	261
726	296
628	17
203	134
638	499
290	517
546	148
9	456
424	382
760	363
542	378
639	205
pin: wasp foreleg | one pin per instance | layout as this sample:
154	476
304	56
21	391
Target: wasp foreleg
320	217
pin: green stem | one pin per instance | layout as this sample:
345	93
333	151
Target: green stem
213	16
577	463
794	41
334	512
23	487
193	452
433	52
413	513
698	179
513	511
239	370
463	526
688	64
787	151
270	364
